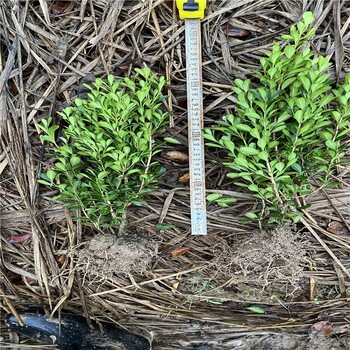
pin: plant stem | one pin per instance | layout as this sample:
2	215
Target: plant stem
273	182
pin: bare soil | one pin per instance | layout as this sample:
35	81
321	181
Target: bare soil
107	254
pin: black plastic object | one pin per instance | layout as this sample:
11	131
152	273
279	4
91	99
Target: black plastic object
191	5
73	333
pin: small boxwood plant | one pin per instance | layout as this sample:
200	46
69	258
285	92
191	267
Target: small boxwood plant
103	159
289	128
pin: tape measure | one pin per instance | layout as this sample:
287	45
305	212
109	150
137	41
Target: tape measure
191	8
192	12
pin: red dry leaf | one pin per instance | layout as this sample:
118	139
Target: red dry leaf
321	329
179	251
12	87
30	281
182	103
170	3
59	7
337	228
19	238
61	259
237	32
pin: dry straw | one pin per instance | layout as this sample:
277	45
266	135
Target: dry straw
45	51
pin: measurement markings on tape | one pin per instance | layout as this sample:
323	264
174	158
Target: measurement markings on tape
195	125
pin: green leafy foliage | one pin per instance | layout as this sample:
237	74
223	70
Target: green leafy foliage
103	160
291	127
256	309
220	200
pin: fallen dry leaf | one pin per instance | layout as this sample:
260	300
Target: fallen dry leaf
59	7
321	329
337	228
61	259
342	329
19	238
170	3
150	59
12	87
174	287
28	280
237	32
182	103
184	179
176	156
179	251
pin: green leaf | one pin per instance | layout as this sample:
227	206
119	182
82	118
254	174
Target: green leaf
213	197
289	51
225	201
288	82
237	175
301	103
326	135
47	138
43	182
74	161
279	166
325	100
251	216
103	174
255	133
137	203
262	143
297	167
241	162
145	72
298	116
110	79
306	83
336	115
51	174
292	156
256	309
332	184
61	166
230	146
172	140
215	145
283	178
263	155
164	226
208	135
332	144
248	151
287	37
308	18
243	127
253	188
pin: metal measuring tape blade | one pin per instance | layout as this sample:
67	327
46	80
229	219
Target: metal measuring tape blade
195	125
192	11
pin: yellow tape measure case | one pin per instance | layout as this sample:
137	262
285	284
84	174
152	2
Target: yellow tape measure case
191	8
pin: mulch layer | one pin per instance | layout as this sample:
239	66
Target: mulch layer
190	294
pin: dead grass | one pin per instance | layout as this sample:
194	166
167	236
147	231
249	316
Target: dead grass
45	52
